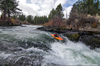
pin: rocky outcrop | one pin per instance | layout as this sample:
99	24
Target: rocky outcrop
87	37
51	29
74	36
90	40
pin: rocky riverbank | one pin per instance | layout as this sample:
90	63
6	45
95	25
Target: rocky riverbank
89	38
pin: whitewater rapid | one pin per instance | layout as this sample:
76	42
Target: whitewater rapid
25	45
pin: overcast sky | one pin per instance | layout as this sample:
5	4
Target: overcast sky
43	7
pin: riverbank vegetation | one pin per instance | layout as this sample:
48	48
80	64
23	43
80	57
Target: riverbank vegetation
55	18
83	16
8	7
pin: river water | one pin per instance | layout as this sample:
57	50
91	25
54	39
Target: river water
27	46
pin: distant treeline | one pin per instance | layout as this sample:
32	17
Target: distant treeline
31	19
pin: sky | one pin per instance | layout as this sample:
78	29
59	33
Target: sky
43	7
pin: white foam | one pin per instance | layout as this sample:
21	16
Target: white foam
35	50
4	55
72	54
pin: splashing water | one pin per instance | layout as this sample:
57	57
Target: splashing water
28	46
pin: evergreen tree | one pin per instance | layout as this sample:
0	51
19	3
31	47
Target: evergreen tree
56	12
9	7
52	14
87	7
40	19
22	17
3	8
59	12
30	18
35	20
14	16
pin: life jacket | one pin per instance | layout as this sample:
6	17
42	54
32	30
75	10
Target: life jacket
56	35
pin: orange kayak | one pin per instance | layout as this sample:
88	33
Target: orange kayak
58	38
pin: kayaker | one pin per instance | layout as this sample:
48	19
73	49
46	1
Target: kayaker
56	35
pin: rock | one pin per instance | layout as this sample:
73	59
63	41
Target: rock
45	29
51	29
40	28
90	40
99	21
74	36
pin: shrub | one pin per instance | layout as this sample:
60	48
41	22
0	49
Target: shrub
48	24
12	20
94	25
63	28
91	19
74	16
82	19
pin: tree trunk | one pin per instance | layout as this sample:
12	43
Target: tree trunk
8	13
4	12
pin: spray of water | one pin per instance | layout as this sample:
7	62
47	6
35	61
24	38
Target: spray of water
40	48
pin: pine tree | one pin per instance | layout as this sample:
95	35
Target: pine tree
40	19
87	7
56	12
9	7
52	14
30	18
22	17
59	11
3	8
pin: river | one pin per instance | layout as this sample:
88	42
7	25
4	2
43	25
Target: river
27	46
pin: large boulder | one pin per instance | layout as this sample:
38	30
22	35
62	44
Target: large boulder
74	36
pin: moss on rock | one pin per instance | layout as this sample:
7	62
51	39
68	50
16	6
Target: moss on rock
73	37
96	41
